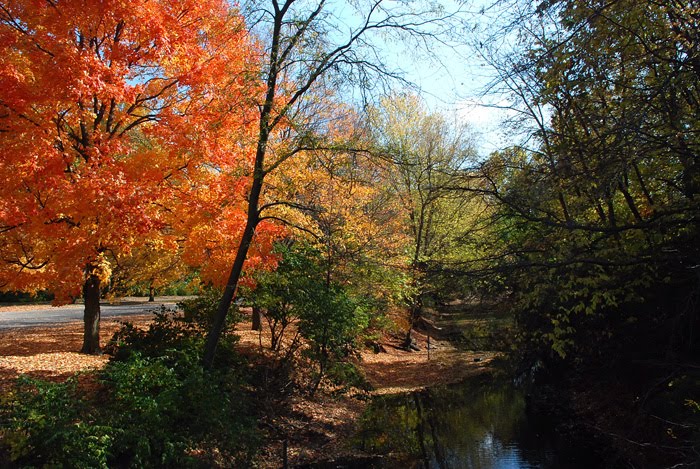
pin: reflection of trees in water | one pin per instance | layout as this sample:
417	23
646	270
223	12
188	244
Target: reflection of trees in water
481	425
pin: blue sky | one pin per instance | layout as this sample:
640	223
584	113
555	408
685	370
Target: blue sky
453	77
450	75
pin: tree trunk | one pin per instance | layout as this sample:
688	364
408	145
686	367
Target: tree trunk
257	318
151	293
408	338
253	213
414	315
219	322
91	316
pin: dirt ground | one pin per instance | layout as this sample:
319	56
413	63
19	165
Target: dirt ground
317	428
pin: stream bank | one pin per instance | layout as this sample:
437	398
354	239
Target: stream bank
320	431
441	406
483	422
459	409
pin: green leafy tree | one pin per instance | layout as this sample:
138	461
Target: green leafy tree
597	213
428	155
296	296
282	293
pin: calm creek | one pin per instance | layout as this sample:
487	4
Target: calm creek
478	424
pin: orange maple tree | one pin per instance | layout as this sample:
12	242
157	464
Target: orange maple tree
210	216
110	112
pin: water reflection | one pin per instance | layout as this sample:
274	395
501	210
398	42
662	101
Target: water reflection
477	425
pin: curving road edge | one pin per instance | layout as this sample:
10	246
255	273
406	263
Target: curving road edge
13	317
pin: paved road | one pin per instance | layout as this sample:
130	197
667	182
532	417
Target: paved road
41	315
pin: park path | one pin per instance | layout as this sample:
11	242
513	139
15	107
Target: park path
19	316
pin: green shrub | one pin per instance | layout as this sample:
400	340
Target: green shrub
332	322
168	409
50	425
200	310
24	297
347	375
169	331
330	319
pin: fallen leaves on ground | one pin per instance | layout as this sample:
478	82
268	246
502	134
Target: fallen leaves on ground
397	371
52	352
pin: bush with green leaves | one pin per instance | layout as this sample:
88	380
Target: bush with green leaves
45	424
200	310
168	409
332	322
165	332
327	316
280	293
171	330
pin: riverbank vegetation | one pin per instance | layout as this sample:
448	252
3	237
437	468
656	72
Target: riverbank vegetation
597	219
269	158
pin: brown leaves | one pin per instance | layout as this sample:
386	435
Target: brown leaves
50	366
50	353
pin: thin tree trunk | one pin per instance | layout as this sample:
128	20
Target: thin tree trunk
253	214
151	293
416	304
414	315
322	364
91	316
230	290
257	318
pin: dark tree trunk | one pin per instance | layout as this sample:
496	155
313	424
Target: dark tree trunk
151	294
414	316
91	316
253	213
257	318
219	321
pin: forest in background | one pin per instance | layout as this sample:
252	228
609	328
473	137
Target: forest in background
264	153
